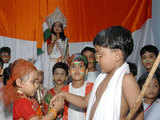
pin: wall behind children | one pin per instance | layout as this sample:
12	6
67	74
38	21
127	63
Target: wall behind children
21	23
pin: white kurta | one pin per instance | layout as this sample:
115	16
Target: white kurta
108	107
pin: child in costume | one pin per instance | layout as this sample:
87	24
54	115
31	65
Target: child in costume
60	75
24	83
56	46
115	89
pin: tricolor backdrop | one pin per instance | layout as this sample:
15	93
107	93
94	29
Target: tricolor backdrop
21	23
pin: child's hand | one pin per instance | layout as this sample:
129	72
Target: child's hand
61	94
57	103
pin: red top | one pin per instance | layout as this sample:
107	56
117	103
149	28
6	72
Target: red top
25	108
53	93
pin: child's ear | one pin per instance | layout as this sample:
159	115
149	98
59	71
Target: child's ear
18	82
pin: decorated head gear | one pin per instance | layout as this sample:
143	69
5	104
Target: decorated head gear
78	57
57	16
19	69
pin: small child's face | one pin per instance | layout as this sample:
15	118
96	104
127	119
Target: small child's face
5	57
57	28
30	84
91	59
77	70
153	89
105	58
59	76
148	59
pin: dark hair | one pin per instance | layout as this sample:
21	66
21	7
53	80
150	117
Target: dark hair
149	48
133	68
61	65
88	49
5	49
1	63
115	37
6	74
62	36
143	79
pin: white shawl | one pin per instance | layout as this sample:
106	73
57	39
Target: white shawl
109	105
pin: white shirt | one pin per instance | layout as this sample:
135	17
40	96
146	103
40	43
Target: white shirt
152	112
76	113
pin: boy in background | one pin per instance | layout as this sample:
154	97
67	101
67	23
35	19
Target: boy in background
89	53
5	54
78	86
148	55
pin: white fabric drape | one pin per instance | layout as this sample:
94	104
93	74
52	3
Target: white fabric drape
109	105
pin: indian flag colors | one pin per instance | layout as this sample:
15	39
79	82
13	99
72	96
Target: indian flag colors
22	22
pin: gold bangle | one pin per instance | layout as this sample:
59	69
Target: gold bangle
52	110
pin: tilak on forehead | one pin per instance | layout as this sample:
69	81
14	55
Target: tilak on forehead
148	61
77	58
77	62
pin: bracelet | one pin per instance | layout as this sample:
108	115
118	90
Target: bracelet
52	110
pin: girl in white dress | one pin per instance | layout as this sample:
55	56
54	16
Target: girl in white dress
56	50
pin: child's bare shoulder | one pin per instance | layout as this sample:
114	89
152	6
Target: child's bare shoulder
130	89
129	81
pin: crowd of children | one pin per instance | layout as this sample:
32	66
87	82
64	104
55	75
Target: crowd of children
78	90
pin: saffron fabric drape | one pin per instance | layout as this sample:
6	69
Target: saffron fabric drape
23	19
